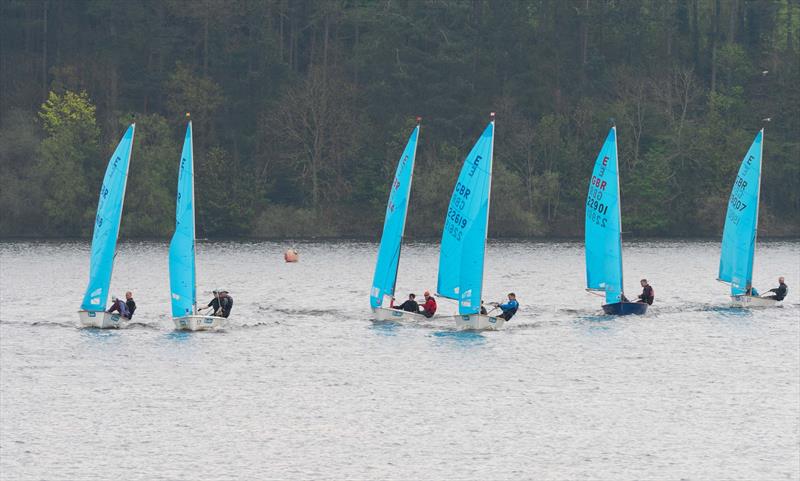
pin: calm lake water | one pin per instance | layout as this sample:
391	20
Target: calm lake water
303	385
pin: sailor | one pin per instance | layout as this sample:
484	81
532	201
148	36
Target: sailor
130	304
647	295
214	304
780	291
409	306
119	306
428	309
483	309
226	303
509	308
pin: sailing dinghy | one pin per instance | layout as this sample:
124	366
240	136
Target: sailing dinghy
104	240
741	226
182	270
387	265
603	233
463	248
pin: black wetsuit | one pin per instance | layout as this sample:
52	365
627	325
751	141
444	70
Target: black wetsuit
647	295
227	305
780	292
408	306
131	306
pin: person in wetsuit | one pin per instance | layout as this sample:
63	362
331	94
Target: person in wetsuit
428	309
130	303
647	296
409	306
225	303
510	307
117	305
780	291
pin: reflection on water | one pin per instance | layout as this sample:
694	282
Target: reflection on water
302	385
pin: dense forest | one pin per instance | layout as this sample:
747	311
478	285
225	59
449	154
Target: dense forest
302	108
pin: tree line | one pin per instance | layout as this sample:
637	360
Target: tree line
302	108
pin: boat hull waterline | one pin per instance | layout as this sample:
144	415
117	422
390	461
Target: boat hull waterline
745	301
625	308
198	323
384	314
478	322
100	319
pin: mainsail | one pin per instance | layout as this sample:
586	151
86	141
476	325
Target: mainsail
464	236
741	222
106	226
383	282
181	249
604	225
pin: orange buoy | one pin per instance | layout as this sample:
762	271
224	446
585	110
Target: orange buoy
291	255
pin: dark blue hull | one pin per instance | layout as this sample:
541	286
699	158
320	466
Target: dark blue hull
625	308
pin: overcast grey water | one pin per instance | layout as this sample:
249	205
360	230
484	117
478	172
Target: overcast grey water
303	385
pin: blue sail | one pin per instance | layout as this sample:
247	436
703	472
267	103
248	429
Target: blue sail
604	225
464	236
741	222
181	249
106	226
394	224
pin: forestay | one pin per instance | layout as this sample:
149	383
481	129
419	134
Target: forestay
106	226
182	272
386	267
604	225
461	255
741	222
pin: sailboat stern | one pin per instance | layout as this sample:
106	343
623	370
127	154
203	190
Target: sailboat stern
100	319
199	323
625	308
745	301
479	322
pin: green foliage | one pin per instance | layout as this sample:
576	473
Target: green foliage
153	178
70	162
301	109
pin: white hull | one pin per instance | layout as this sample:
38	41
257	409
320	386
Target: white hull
198	323
750	301
384	314
100	319
478	322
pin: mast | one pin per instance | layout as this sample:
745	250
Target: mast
619	214
488	204
122	204
758	203
194	234
408	198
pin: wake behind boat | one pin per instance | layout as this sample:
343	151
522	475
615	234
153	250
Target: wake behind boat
104	240
463	248
387	265
741	228
182	268
603	233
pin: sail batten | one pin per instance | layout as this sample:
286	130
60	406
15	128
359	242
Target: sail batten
388	262
182	268
603	233
741	222
462	251
107	222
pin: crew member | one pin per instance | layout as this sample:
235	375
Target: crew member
118	306
409	306
130	304
647	295
428	309
780	291
510	307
